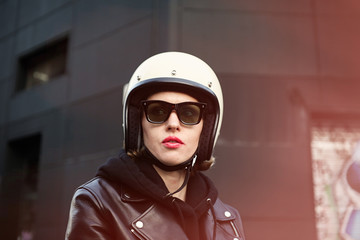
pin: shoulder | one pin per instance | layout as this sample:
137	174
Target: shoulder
103	192
93	194
97	188
108	200
98	185
226	213
103	209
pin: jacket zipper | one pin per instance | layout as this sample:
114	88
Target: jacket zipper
234	229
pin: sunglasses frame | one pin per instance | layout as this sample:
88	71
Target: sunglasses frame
172	107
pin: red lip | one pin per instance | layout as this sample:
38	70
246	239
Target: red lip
172	142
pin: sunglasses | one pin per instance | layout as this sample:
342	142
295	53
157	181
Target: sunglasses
189	113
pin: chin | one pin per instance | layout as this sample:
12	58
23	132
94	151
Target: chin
172	160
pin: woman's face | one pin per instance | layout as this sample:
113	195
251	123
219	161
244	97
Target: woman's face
171	142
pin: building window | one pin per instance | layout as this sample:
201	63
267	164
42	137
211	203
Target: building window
336	176
42	65
19	188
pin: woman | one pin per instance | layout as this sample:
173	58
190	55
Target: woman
155	189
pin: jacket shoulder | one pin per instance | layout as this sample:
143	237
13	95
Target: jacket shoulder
227	214
87	213
107	194
224	211
95	195
102	209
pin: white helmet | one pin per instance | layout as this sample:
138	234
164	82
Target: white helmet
179	72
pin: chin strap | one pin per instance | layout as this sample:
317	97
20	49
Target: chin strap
187	165
167	168
187	176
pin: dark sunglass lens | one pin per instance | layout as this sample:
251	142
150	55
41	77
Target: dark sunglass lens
157	112
189	113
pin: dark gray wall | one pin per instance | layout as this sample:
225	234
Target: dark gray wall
280	63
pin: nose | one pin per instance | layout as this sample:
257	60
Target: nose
173	122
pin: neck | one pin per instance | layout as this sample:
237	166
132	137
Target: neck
173	180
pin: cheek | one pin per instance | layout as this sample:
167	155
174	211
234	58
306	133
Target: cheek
150	134
145	131
197	132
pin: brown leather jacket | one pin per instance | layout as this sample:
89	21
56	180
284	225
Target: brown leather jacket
101	210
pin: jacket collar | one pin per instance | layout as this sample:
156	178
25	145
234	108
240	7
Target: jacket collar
222	212
150	225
